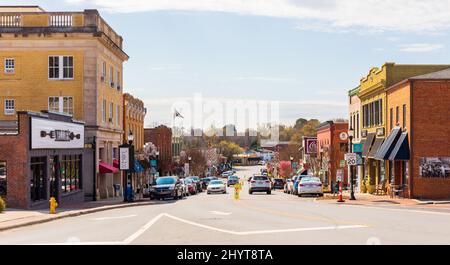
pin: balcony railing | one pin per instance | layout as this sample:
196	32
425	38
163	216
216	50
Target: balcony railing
89	20
10	20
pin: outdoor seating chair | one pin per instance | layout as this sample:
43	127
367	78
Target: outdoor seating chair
381	188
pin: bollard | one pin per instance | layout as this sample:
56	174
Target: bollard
340	192
53	205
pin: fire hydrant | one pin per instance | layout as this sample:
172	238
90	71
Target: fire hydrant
237	190
53	205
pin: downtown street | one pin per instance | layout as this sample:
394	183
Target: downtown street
276	219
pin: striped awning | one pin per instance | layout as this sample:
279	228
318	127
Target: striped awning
401	150
388	145
368	144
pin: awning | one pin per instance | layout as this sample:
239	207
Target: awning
116	163
106	168
375	147
401	149
368	144
386	148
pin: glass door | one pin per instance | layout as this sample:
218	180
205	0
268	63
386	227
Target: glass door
54	177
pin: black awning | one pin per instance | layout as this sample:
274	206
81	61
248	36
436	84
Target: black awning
401	149
367	144
386	148
375	147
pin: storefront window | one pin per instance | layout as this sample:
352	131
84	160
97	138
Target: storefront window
3	185
382	171
405	173
391	172
38	185
70	173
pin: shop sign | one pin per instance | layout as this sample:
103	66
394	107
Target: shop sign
124	158
310	145
49	134
357	148
153	163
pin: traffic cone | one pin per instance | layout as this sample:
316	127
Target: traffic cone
340	193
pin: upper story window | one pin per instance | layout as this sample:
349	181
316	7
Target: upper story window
404	116
373	114
9	66
111	112
103	110
60	67
9	107
117	115
61	104
103	77
118	81
111	76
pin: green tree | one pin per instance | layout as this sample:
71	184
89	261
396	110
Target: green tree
228	149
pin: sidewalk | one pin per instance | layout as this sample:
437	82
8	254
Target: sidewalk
14	218
370	199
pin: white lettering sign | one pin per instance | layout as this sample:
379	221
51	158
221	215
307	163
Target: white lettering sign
124	158
50	134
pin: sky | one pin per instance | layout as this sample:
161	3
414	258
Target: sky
304	54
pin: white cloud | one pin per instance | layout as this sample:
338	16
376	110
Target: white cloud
371	15
420	47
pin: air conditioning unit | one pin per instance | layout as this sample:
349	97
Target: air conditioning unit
9	70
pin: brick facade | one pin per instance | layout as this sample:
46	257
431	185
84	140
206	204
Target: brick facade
161	137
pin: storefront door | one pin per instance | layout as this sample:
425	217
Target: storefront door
54	177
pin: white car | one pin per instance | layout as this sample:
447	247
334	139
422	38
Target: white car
260	184
216	186
310	185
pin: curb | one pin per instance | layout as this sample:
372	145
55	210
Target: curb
74	214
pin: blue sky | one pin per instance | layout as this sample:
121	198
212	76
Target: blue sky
306	54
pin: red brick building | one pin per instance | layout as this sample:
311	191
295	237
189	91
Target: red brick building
418	147
161	137
45	157
332	141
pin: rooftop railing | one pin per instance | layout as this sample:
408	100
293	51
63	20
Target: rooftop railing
60	20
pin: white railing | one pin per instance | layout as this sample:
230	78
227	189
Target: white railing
61	21
10	21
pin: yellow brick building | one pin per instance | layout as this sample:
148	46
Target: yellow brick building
69	62
372	94
134	116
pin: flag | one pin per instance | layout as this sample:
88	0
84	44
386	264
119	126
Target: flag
178	114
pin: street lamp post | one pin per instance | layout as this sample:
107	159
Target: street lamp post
350	137
128	177
189	167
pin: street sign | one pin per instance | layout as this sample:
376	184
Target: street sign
357	148
340	175
124	158
351	159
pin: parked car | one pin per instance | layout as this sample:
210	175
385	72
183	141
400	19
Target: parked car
198	184
191	186
296	181
232	180
261	163
260	184
286	185
167	187
278	184
226	174
310	185
216	186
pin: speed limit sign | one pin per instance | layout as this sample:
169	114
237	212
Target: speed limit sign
351	159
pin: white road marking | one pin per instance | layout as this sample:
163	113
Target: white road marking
398	210
114	217
304	229
142	229
220	213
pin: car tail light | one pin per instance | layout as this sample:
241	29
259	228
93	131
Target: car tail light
252	181
302	185
267	181
319	185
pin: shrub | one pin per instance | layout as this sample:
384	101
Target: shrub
2	205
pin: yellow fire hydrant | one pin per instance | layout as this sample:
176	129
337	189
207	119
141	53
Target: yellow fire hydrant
237	190
53	205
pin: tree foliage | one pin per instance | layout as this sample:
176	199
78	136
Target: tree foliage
228	149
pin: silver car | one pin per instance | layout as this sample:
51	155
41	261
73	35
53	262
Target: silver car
216	186
310	185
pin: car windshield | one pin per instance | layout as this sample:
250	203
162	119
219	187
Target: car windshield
195	178
260	178
216	182
233	178
165	181
188	181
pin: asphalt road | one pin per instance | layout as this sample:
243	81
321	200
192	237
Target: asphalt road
257	219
